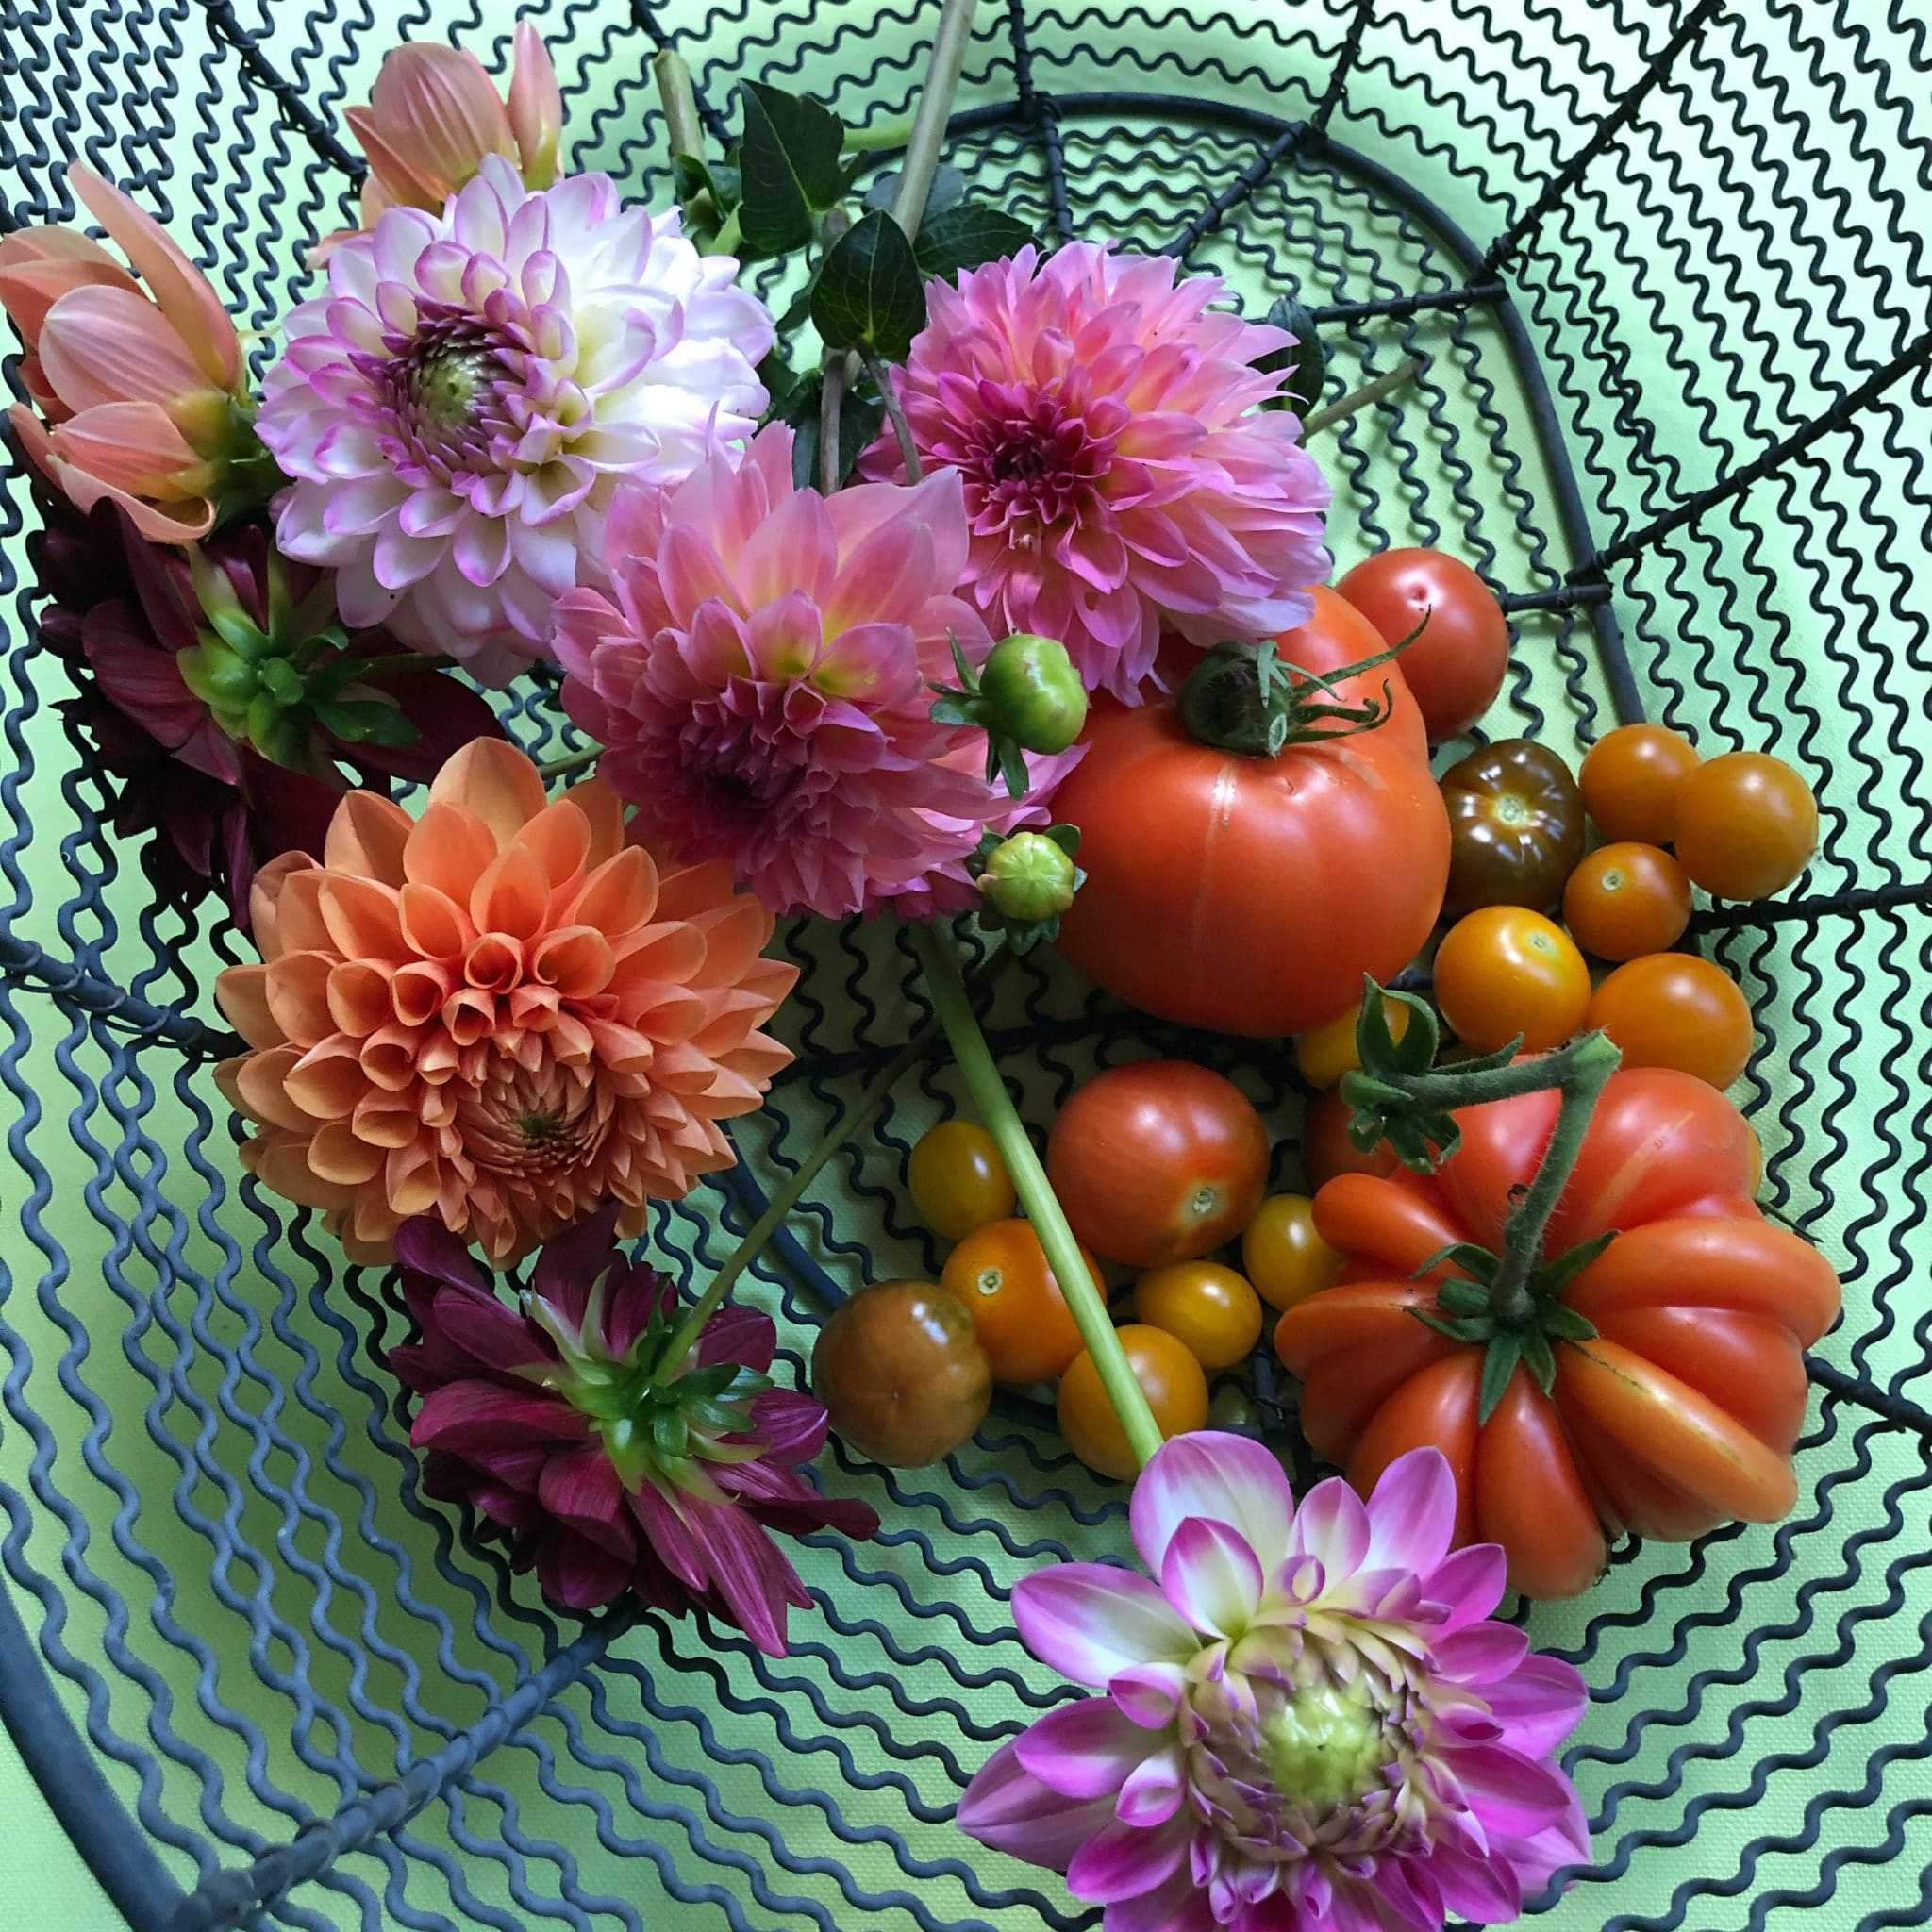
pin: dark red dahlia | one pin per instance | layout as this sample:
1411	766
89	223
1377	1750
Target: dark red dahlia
613	1473
227	707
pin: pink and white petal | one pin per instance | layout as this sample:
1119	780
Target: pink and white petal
1154	1790
1214	1474
1483	1890
1484	1653
1211	1576
1539	1857
102	344
1469	1583
1122	1861
1412	1512
1008	1809
1149	1694
1332	1525
1509	1793
1090	1623
1539	1705
1084	1750
1177	1905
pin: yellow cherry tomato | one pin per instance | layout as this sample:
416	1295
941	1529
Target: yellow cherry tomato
1326	1052
1286	1259
957	1179
1208	1307
1170	1378
1505	971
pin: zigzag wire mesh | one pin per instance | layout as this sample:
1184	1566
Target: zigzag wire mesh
264	1682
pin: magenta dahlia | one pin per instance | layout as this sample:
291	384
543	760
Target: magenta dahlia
613	1471
458	406
1309	1724
1120	473
764	683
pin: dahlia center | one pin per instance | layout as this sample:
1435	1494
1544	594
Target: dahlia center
1323	1748
1034	460
446	386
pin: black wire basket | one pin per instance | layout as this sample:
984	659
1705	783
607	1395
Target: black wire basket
1664	269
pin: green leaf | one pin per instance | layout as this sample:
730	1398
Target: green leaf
779	379
1499	1364
788	167
1565	1323
1539	1361
868	293
1552	1277
1306	362
859	416
1469	1330
954	239
948	190
1475	1261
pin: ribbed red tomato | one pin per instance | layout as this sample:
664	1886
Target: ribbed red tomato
1249	893
1678	1415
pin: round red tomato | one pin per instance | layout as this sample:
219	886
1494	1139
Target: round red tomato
1680	1411
1170	1378
1456	666
1249	893
1157	1161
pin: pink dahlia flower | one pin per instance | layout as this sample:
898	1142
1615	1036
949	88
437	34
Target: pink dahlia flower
458	408
1120	473
762	683
613	1473
1309	1724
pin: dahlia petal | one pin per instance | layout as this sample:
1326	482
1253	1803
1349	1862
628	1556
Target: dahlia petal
1122	1861
575	1571
1484	1653
367	835
1508	1793
494	782
738	1334
1090	1623
449	850
1085	1749
1483	1890
131	446
1211	1576
295	986
1149	1694
1152	1791
750	1574
1538	1704
1412	1512
1469	1583
789	1424
477	1415
241	993
1008	1809
1176	1905
1332	1525
1223	1478
100	344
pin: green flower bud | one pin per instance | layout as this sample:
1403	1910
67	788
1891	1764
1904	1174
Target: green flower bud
1032	692
1030	877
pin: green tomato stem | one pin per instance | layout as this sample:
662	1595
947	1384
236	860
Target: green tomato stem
947	987
935	110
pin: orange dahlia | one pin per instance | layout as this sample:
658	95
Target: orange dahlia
502	1013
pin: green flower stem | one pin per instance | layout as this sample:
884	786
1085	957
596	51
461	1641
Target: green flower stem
935	110
877	137
915	470
685	130
570	762
947	987
1400	376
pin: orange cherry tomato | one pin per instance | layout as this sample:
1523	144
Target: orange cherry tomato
1209	1308
1505	971
957	1179
1626	900
1630	778
1747	826
1171	1379
1674	1009
1157	1161
1286	1261
1000	1276
1326	1052
1327	1148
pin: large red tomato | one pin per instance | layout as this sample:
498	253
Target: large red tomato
1678	1415
1249	894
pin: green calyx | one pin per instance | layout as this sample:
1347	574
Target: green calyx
1244	699
1026	697
1027	880
1510	1304
273	687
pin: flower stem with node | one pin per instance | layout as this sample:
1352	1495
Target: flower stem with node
935	111
1513	1302
1400	376
946	987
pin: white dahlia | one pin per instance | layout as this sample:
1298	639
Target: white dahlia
458	409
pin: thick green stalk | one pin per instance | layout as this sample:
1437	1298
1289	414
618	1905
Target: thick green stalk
947	987
682	126
935	110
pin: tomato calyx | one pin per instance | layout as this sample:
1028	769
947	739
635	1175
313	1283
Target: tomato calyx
1244	698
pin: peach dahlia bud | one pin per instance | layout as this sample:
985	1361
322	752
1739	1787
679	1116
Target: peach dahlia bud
502	1014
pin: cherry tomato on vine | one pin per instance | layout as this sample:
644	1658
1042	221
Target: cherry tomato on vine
1326	1052
957	1179
1454	668
1286	1261
1515	827
1327	1148
1630	778
1505	971
1674	1009
1171	1379
902	1375
1159	1160
1000	1276
1747	826
1626	900
1210	1308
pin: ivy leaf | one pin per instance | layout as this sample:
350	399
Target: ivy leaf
947	190
706	194
780	379
1499	1364
965	236
1306	362
869	292
788	167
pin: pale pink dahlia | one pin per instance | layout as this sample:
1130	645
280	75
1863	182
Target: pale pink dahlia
458	408
763	683
1311	1724
1120	473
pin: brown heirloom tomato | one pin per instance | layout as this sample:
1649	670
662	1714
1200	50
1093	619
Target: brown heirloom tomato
1680	1412
1515	827
1249	893
902	1373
